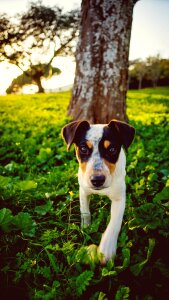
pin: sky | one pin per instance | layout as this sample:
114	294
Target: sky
149	35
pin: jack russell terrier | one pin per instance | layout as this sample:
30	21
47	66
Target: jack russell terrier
101	157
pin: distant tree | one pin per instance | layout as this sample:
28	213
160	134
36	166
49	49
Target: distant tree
99	92
36	38
154	69
19	82
164	74
139	71
131	65
150	72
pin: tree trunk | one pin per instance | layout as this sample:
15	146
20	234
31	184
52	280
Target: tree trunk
140	83
99	92
39	84
154	81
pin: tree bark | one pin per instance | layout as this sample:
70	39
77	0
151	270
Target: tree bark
39	84
100	86
140	83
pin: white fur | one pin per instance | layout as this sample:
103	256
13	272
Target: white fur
114	187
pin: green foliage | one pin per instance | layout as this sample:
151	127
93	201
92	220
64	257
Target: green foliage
43	209
22	222
82	281
44	252
5	219
122	293
137	268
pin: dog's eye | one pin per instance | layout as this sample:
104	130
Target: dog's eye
84	149
112	150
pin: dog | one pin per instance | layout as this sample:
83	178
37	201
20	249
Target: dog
100	151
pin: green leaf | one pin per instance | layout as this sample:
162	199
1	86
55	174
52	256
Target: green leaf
44	154
82	281
102	296
163	195
122	293
151	245
24	222
52	260
165	172
137	268
5	219
44	271
26	185
126	259
44	209
4	181
106	272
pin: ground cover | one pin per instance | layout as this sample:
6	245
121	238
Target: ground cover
43	249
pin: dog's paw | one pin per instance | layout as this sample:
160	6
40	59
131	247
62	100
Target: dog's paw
85	220
105	254
88	255
92	253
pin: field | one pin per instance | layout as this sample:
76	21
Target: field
44	252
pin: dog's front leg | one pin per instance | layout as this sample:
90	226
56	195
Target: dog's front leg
84	208
108	243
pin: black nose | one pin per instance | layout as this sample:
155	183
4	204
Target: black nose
97	180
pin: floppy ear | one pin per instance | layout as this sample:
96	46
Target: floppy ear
72	130
126	132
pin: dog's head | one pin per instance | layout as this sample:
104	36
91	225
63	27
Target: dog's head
97	149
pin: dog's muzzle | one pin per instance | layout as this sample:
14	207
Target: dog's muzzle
97	181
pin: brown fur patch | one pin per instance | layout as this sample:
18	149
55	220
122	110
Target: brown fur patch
107	144
110	165
89	144
82	165
76	150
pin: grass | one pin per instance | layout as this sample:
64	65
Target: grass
44	252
